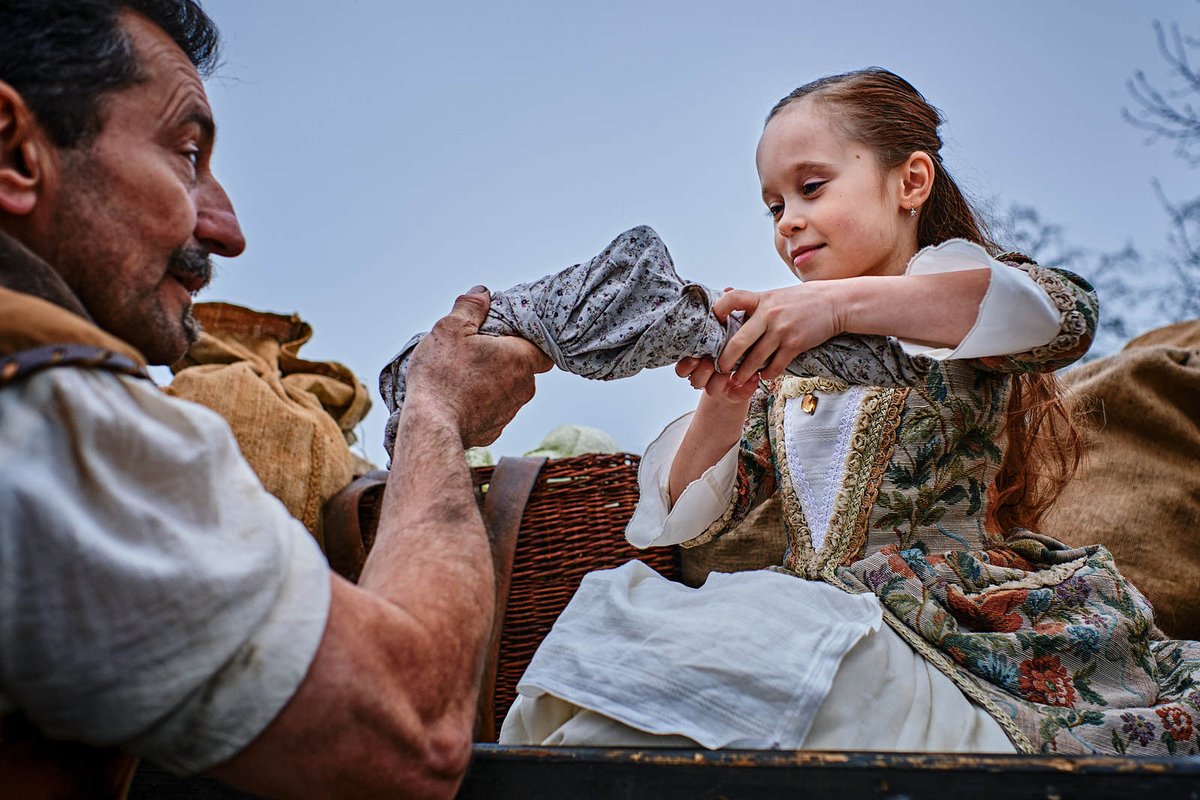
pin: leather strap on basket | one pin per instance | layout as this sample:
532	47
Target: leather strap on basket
508	491
347	538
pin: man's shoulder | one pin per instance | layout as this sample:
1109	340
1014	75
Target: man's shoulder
69	413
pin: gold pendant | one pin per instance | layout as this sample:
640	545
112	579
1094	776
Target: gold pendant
808	403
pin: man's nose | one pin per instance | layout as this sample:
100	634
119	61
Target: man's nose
217	227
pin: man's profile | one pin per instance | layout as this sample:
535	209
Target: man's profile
153	597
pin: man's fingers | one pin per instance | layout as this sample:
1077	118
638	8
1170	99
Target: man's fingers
540	361
528	354
484	438
473	306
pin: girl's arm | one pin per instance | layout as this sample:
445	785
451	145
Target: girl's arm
1006	314
936	310
715	427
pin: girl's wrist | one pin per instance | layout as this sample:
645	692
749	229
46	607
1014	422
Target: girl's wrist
843	297
723	405
722	418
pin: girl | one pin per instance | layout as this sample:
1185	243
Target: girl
913	455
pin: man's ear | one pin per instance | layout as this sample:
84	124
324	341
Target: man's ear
916	179
24	154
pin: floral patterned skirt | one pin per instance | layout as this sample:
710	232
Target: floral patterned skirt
1053	641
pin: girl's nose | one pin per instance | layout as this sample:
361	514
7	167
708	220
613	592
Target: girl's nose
791	221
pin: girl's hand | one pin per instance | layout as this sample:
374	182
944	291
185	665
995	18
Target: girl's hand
702	373
780	325
716	426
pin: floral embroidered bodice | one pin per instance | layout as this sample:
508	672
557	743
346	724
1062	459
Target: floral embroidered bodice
1054	642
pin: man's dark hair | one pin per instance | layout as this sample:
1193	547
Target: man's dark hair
64	56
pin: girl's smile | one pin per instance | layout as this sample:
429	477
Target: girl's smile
836	213
803	253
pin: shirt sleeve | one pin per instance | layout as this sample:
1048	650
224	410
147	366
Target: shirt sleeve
1016	314
721	497
152	594
655	522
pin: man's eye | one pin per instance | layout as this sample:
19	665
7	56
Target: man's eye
811	187
192	156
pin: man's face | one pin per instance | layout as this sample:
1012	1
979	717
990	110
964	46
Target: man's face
133	215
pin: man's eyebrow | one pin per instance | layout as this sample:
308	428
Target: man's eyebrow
203	119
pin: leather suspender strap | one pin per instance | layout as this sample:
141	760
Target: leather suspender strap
512	482
24	363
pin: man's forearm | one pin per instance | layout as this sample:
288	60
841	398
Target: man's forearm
431	556
388	703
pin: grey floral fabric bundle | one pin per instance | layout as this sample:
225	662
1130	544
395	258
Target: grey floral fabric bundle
627	310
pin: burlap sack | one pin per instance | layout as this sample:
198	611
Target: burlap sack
293	418
1139	492
757	543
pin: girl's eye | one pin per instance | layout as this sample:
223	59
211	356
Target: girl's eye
810	187
774	210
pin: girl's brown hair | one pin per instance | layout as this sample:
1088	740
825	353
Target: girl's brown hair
885	113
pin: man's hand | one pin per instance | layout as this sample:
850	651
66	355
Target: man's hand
481	381
388	704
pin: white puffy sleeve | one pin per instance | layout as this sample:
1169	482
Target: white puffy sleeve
1016	314
655	523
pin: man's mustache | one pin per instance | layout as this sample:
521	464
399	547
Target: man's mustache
192	266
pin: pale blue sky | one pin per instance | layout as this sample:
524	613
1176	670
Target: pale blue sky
386	156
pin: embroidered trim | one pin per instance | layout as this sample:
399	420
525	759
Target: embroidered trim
868	439
864	445
841	455
884	451
1073	326
1037	579
799	477
865	441
800	556
792	383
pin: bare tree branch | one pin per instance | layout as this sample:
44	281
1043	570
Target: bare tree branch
1170	114
1182	300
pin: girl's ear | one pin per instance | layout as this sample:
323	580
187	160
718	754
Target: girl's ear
24	154
916	180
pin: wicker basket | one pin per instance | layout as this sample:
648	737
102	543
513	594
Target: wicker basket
573	523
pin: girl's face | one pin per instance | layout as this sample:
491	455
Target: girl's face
836	213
